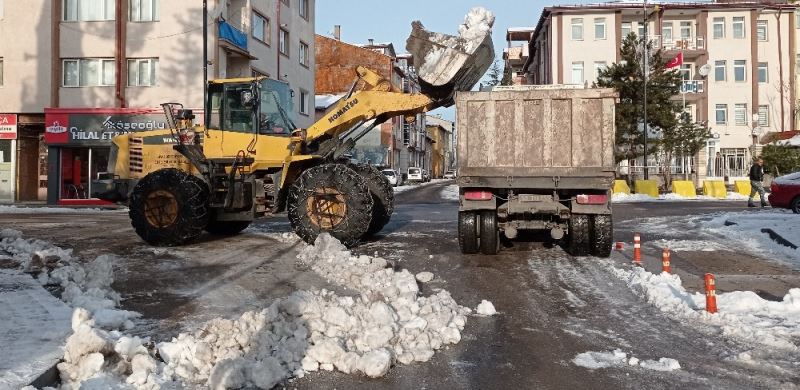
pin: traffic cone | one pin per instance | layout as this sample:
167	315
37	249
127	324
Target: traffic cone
666	264
620	246
637	249
711	294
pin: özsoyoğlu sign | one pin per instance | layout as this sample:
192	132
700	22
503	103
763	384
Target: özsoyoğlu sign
98	127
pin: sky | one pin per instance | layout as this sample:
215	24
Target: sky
390	21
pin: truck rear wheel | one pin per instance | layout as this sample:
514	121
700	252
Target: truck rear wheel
468	232
602	235
333	199
169	207
382	196
490	234
226	228
579	238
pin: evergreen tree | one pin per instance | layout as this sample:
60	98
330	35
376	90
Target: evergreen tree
507	76
683	140
494	75
781	159
627	77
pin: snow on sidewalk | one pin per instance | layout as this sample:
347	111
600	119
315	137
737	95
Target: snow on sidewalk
746	229
742	315
636	198
407	187
10	209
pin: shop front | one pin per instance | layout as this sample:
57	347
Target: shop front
8	146
79	147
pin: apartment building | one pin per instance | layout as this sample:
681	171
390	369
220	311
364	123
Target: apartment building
74	73
442	131
739	67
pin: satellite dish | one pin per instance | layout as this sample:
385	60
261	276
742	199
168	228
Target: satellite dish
704	70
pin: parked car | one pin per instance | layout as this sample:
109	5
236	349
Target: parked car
450	175
786	192
392	176
415	175
426	177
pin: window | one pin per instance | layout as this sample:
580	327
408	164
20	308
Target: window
740	70
740	114
722	114
89	72
143	10
641	29
763	72
666	32
797	20
738	27
598	66
719	70
686	72
236	116
303	102
261	28
285	2
626	30
763	116
719	28
1	69
577	73
304	9
577	29
761	30
686	30
88	10
599	28
283	42
303	54
143	72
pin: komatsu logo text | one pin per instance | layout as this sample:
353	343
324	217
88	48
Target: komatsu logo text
342	110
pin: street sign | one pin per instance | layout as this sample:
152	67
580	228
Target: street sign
8	126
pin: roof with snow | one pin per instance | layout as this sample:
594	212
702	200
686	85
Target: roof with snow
323	102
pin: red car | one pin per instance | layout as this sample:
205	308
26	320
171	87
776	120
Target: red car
786	192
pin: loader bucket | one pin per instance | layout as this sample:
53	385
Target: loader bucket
447	64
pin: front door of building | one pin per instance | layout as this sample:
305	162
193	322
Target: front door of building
6	171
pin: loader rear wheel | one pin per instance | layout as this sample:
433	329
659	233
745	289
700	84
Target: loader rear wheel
169	207
602	235
468	232
333	199
226	228
382	196
490	234
579	238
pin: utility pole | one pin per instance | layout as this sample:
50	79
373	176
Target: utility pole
645	68
205	57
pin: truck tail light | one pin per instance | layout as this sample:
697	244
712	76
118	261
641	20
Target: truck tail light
478	195
592	199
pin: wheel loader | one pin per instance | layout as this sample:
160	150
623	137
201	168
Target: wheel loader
248	160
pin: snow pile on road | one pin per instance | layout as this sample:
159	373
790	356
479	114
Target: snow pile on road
742	314
450	192
671	197
751	230
616	358
6	209
620	197
486	308
690	245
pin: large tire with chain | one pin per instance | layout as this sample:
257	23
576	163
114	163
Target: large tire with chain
226	228
333	199
579	238
490	233
382	196
468	232
602	233
169	207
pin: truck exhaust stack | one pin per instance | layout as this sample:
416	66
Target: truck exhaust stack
447	64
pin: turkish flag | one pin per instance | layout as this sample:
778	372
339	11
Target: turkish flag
677	61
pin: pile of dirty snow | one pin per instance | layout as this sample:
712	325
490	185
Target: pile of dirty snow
472	33
477	25
741	314
672	197
9	209
759	232
450	192
617	358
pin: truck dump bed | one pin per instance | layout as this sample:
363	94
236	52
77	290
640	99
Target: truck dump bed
536	138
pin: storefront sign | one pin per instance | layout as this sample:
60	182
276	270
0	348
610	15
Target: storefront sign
98	127
8	126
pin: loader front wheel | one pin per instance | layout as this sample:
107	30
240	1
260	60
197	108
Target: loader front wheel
382	196
169	207
333	199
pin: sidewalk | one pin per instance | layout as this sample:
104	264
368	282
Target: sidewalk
34	328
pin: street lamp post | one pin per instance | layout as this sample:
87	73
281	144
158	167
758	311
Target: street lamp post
756	130
644	77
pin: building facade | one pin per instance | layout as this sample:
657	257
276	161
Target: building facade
84	70
739	65
443	153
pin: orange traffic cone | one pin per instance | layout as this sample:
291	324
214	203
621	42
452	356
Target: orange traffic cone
637	249
711	294
666	265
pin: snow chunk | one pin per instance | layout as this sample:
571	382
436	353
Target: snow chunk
663	364
424	277
595	360
486	308
375	364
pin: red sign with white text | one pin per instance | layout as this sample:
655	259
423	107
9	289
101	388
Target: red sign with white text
8	126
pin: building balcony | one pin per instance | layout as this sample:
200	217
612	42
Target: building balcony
693	86
233	40
690	46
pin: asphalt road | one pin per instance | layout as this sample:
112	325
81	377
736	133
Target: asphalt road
552	306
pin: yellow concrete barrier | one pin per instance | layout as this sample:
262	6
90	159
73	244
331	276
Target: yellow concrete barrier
715	189
684	188
743	187
621	187
646	187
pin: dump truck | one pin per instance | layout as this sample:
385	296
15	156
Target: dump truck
536	158
249	160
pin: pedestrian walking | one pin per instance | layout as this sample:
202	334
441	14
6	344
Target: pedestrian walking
756	183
